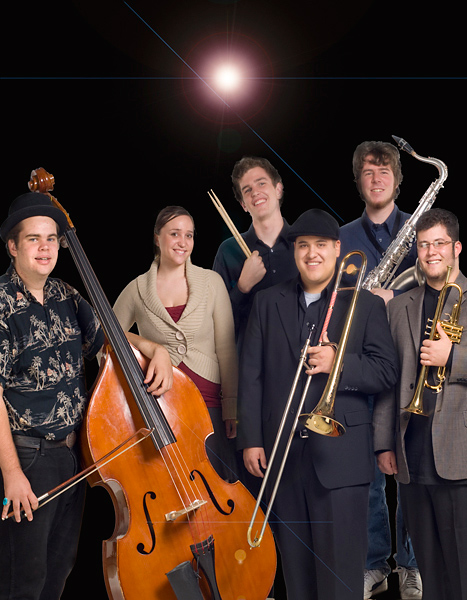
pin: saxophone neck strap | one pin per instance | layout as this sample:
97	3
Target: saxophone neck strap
371	236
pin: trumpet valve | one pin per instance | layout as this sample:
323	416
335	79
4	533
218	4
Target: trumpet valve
452	330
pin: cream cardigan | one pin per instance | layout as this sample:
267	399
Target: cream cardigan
203	338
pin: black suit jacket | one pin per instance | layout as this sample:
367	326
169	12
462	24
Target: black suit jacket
268	365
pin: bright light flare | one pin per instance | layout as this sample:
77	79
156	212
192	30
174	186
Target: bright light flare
239	73
227	78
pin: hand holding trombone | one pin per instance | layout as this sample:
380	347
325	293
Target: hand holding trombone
321	420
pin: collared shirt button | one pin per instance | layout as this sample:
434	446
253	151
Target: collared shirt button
179	335
181	349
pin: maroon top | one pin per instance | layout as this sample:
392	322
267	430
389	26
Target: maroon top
210	391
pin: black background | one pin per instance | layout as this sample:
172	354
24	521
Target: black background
101	94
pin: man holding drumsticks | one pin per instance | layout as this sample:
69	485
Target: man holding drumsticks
258	187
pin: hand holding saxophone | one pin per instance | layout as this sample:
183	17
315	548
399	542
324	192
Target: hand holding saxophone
386	295
435	353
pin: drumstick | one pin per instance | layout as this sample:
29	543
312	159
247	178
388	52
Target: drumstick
228	221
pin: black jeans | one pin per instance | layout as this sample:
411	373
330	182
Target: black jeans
321	533
436	517
36	557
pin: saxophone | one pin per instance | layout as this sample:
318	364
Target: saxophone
382	275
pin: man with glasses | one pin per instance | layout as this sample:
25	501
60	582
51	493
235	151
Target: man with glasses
428	452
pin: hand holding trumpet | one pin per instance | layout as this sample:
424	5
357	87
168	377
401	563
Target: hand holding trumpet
435	353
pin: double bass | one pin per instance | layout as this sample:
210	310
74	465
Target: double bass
180	530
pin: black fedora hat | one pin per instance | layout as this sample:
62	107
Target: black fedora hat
314	222
32	204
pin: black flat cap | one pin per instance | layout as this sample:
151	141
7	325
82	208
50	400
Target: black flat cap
32	204
314	222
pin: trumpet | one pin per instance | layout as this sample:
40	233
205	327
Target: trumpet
325	418
453	330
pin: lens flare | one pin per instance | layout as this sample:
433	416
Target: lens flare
227	78
234	78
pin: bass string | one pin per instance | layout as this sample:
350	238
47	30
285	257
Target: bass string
203	523
149	408
199	527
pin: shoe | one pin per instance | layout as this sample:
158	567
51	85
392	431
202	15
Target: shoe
375	581
410	583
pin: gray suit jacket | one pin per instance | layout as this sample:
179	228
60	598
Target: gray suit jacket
449	431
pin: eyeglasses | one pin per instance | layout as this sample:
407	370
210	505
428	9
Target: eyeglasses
437	244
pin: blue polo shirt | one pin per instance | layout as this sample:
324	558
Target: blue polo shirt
280	266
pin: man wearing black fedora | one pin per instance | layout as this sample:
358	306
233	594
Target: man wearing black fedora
320	511
46	331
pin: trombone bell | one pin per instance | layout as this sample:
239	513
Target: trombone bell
325	425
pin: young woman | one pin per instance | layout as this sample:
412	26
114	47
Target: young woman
187	309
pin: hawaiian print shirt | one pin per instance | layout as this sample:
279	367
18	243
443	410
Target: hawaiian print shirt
42	350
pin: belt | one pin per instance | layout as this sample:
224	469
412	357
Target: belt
27	441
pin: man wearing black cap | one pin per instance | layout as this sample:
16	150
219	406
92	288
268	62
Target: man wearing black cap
321	504
46	328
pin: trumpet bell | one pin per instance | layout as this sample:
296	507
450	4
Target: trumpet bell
416	409
322	424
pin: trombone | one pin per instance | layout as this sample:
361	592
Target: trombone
321	419
324	419
453	331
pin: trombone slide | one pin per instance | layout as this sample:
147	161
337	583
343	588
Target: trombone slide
322	418
256	541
